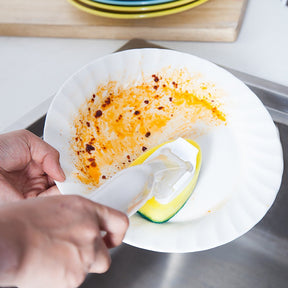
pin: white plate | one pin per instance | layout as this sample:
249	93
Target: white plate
242	161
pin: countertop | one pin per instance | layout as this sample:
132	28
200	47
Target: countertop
33	69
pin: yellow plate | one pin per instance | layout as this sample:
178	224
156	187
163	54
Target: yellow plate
141	15
142	8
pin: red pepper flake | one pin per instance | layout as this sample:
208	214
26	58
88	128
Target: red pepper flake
146	101
92	100
89	109
76	139
128	157
103	177
156	79
89	148
160	107
170	99
164	85
107	102
144	148
137	112
147	134
98	129
94	96
175	84
156	87
98	113
88	124
91	160
78	152
119	118
93	164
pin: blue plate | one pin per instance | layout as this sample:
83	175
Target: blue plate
133	2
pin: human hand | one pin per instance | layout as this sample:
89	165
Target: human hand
28	167
55	241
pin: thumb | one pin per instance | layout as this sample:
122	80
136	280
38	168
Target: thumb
46	156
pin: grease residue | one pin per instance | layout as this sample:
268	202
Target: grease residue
117	123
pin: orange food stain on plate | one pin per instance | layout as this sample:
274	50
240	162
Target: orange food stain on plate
117	123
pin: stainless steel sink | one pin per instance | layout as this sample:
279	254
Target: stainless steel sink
257	259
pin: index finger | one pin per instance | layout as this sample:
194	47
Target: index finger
114	223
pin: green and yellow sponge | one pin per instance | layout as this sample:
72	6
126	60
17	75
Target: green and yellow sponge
160	213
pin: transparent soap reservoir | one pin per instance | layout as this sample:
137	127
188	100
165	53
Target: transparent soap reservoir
163	175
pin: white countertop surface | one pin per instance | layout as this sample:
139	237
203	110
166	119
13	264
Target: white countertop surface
33	69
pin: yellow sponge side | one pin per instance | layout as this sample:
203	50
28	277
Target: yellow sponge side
157	212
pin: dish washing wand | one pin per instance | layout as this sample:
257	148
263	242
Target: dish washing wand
165	176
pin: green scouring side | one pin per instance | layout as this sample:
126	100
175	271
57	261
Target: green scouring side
164	221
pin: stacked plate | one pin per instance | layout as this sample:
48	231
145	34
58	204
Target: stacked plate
134	9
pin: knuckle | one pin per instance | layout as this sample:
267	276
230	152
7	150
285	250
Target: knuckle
125	222
122	223
101	261
90	234
107	264
72	205
104	265
78	201
104	210
77	278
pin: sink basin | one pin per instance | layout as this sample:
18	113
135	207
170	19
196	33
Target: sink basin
257	259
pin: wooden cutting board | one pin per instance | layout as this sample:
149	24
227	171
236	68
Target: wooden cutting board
215	20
